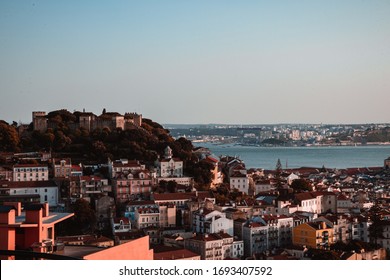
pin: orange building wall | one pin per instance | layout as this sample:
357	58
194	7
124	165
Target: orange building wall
309	234
134	250
7	234
7	241
7	218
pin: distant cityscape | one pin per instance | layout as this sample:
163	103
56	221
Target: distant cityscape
111	186
286	134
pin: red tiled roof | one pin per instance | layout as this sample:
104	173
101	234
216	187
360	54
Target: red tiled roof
90	178
212	159
238	175
76	167
175	255
124	220
318	225
342	197
57	161
211	236
304	196
255	225
29	165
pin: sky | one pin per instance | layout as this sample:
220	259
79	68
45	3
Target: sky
198	62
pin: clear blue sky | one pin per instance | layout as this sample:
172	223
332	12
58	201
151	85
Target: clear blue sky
198	61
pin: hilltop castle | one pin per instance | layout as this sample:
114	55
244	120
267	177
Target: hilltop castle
90	121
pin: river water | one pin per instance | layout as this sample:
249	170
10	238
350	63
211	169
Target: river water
295	157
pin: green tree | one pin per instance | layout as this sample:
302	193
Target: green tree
301	185
376	228
9	138
85	218
278	174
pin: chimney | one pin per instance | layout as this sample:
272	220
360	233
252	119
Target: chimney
45	210
7	214
7	240
34	214
17	205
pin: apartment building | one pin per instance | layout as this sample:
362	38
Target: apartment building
30	172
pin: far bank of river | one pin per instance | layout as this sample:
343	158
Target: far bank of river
295	157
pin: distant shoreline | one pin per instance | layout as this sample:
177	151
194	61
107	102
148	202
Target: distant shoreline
292	145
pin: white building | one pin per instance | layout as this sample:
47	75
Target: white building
262	186
279	230
317	202
255	236
124	166
308	203
169	166
30	172
211	221
344	204
215	246
120	225
239	180
384	241
185	181
147	217
237	249
291	178
47	191
359	228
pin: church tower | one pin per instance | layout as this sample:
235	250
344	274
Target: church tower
168	153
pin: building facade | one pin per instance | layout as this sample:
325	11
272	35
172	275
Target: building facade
32	230
211	221
30	172
316	235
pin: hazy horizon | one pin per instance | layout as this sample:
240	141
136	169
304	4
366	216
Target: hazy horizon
249	62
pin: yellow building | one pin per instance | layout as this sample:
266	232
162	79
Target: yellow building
316	235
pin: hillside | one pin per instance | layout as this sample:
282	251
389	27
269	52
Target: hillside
64	138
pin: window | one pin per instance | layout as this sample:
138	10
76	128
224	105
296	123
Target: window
45	190
45	198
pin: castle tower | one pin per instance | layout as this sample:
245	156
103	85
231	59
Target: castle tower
39	121
133	120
